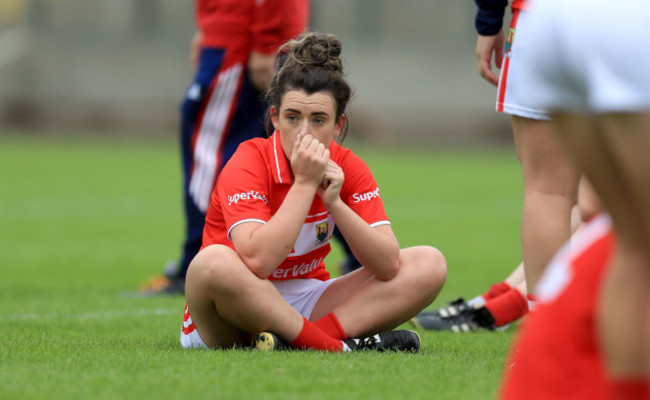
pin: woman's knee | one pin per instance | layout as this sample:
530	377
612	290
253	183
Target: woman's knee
213	265
427	267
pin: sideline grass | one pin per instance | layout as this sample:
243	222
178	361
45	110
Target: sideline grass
83	222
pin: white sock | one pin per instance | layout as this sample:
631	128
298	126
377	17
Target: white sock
531	305
477	301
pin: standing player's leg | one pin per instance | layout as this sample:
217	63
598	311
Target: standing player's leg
549	175
550	190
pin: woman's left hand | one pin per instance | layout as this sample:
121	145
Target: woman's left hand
330	188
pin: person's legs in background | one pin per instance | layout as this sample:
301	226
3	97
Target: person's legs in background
550	191
210	133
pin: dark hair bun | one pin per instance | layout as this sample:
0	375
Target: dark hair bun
315	49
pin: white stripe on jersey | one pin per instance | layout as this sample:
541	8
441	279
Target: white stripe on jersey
559	272
241	222
212	128
277	163
380	223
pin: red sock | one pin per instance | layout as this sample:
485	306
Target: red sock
508	307
331	326
312	337
496	290
629	389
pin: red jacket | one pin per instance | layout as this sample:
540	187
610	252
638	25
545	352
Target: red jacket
245	25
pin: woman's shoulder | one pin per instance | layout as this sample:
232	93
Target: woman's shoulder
344	156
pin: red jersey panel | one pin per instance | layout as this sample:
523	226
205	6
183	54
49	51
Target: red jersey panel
253	185
556	355
520	4
245	25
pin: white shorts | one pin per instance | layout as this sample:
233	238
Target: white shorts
514	95
301	294
587	55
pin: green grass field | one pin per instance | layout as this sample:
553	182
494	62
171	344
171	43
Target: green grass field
84	221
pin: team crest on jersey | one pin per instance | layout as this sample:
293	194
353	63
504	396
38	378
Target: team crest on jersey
509	38
321	232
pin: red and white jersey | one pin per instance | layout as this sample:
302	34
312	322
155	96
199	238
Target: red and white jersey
556	354
253	185
260	25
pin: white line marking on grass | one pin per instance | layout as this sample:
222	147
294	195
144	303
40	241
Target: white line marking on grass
98	315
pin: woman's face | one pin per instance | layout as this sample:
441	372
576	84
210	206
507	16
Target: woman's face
301	114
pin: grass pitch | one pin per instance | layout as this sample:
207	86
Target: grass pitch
84	221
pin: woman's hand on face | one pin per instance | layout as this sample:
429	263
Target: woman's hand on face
309	160
330	187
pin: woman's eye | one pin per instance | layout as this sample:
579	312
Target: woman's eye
292	118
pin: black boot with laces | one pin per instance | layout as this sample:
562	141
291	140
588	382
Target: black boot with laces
400	340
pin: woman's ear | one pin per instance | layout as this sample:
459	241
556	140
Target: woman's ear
340	124
274	117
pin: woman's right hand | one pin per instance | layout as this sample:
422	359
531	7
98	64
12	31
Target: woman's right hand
309	159
486	47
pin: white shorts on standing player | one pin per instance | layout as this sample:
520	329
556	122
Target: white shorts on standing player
514	94
587	55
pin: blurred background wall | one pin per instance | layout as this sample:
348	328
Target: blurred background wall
122	66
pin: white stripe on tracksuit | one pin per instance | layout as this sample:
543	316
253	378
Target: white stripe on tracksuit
211	131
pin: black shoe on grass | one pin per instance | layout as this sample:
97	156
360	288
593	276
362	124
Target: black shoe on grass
457	318
440	319
400	340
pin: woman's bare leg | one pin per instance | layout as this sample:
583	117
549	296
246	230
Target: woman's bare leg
228	303
365	305
550	190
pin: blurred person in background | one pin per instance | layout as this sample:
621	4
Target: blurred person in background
550	176
591	71
232	53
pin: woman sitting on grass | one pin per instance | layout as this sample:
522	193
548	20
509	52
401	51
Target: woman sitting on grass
260	270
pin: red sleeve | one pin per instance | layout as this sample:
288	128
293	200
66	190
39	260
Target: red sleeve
243	187
360	190
277	21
